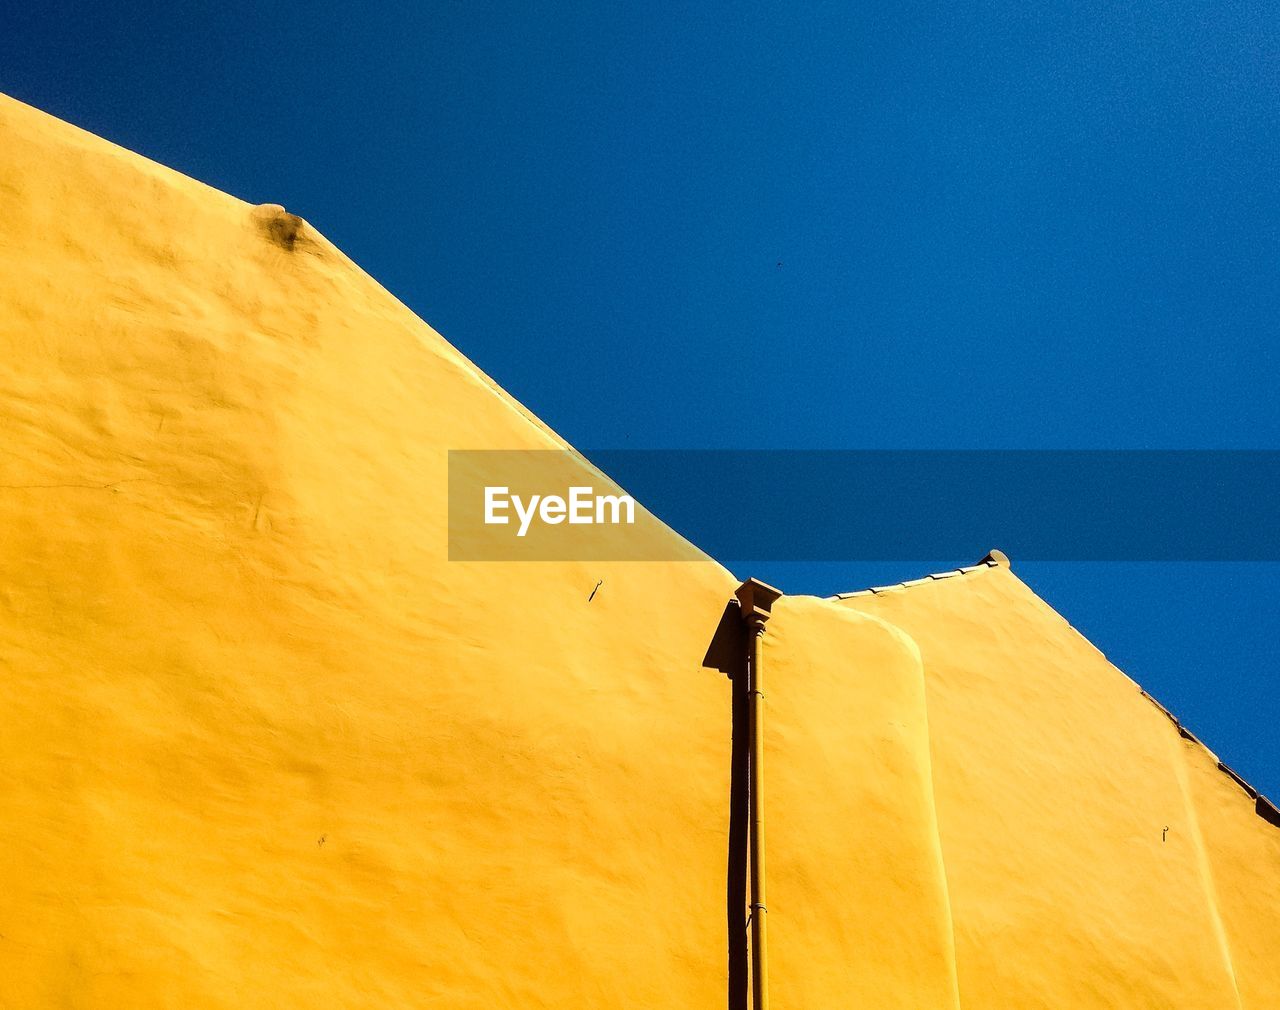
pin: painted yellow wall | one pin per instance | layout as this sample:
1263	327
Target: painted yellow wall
1053	779
263	745
858	907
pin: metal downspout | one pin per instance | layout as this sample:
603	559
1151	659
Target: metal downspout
756	600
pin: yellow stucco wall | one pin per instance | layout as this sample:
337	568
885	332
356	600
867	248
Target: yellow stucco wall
263	745
1054	779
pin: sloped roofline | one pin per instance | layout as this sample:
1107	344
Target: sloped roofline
994	559
1263	807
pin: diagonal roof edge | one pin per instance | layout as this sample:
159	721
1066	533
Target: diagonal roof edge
994	559
1263	807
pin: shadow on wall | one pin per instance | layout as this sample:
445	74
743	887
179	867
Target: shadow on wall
727	653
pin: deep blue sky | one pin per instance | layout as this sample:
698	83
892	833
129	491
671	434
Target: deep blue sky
1007	226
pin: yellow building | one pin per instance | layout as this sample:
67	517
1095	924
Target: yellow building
263	745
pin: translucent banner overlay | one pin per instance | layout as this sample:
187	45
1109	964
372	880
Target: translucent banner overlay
801	505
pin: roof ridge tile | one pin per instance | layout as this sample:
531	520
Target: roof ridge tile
990	561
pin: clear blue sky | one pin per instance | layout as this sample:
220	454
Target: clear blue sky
1000	226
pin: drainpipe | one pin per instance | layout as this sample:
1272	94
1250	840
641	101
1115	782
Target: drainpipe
756	600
